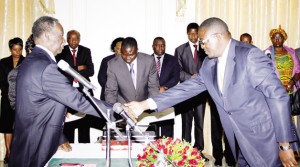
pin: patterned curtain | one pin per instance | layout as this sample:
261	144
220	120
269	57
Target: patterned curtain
255	17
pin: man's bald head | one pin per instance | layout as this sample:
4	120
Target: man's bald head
215	24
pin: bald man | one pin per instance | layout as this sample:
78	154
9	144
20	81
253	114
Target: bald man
253	105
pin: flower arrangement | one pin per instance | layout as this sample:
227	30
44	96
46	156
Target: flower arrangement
179	152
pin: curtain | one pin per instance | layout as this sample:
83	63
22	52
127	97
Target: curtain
16	18
255	17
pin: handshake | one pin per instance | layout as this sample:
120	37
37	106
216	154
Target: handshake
130	112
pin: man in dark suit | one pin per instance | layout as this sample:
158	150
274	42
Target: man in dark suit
80	59
253	105
131	76
43	93
190	58
102	75
168	72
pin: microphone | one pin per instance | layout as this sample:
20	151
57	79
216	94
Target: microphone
268	53
66	67
119	110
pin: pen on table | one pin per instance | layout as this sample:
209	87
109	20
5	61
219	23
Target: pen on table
71	164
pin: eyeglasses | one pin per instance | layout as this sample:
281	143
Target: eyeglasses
204	41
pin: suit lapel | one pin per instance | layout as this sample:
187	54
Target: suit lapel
125	72
230	65
164	65
212	75
189	56
139	71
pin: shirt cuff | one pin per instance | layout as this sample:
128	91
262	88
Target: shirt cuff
151	103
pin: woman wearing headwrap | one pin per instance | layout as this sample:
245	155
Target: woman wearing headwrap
286	63
284	59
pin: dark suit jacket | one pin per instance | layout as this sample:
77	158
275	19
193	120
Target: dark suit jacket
119	86
42	96
254	107
83	58
170	71
186	61
6	65
102	75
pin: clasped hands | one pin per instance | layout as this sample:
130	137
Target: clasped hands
134	109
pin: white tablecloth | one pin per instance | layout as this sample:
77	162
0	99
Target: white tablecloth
93	150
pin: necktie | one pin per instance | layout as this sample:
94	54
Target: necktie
74	59
195	54
132	73
158	65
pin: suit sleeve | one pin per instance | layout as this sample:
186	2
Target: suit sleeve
111	87
263	77
89	63
153	82
102	75
183	75
2	76
179	93
57	87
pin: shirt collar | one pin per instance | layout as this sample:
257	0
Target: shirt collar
48	51
73	49
159	56
225	53
192	44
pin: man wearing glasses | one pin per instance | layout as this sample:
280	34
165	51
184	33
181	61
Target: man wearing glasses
253	105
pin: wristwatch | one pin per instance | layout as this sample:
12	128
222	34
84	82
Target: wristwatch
284	148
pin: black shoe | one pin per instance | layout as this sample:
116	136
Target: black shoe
6	159
202	155
218	163
230	163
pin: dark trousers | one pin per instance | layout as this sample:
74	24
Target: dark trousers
83	126
190	109
216	136
83	130
166	127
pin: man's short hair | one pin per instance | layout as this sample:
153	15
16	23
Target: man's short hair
192	26
129	42
43	24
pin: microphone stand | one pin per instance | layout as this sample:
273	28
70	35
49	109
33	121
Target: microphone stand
108	130
129	144
110	125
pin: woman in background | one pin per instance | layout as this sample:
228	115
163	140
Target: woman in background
7	114
287	65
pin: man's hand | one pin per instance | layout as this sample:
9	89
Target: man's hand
162	89
134	108
82	67
287	158
65	147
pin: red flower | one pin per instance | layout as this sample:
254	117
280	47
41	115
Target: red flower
181	163
193	162
181	153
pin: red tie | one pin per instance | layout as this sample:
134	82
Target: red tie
195	54
158	66
74	59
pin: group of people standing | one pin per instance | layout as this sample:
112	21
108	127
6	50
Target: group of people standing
245	94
